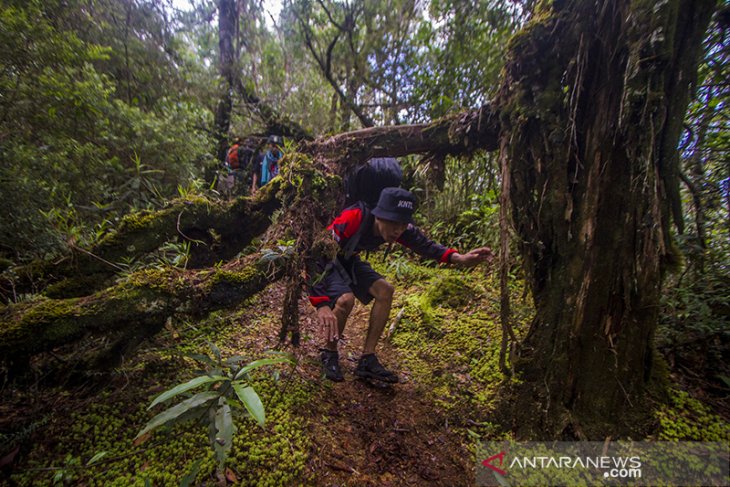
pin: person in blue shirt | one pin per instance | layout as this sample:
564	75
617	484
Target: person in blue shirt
269	164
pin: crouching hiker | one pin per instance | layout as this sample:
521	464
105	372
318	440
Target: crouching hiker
348	277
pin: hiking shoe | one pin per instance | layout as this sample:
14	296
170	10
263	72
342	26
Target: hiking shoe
331	365
369	368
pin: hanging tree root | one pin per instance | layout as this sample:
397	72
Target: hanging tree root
308	208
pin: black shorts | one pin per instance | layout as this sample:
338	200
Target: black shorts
353	276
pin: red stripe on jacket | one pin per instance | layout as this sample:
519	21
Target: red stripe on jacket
346	223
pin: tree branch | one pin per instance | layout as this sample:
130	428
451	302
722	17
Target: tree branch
325	67
459	134
275	122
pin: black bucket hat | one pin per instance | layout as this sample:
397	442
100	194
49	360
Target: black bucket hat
396	204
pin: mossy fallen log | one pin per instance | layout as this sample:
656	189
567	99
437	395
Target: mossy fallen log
217	230
140	304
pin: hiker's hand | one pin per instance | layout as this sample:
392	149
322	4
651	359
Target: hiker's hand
473	257
328	320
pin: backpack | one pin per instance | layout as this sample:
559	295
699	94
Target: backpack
232	158
368	180
239	156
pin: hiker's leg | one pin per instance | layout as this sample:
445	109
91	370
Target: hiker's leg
382	291
342	309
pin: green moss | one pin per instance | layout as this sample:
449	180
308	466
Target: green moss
452	353
140	220
241	277
155	279
35	318
687	418
448	340
74	287
453	291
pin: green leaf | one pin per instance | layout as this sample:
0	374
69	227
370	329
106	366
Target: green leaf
58	477
97	457
268	255
212	431
177	410
265	361
192	474
251	401
224	426
235	360
280	353
216	351
501	480
197	382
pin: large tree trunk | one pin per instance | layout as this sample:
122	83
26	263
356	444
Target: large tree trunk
591	107
227	32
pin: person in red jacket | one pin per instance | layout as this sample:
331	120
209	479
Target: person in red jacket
347	277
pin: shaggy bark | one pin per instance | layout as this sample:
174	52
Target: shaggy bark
591	106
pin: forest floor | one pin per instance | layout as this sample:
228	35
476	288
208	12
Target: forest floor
422	431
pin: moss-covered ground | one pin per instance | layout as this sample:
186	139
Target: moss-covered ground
83	422
445	346
448	337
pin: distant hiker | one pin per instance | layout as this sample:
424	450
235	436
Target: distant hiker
226	178
334	290
232	156
269	164
235	168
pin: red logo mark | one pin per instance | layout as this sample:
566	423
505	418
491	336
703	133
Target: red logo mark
487	463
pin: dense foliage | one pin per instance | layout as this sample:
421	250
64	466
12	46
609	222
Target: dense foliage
696	317
108	105
96	119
